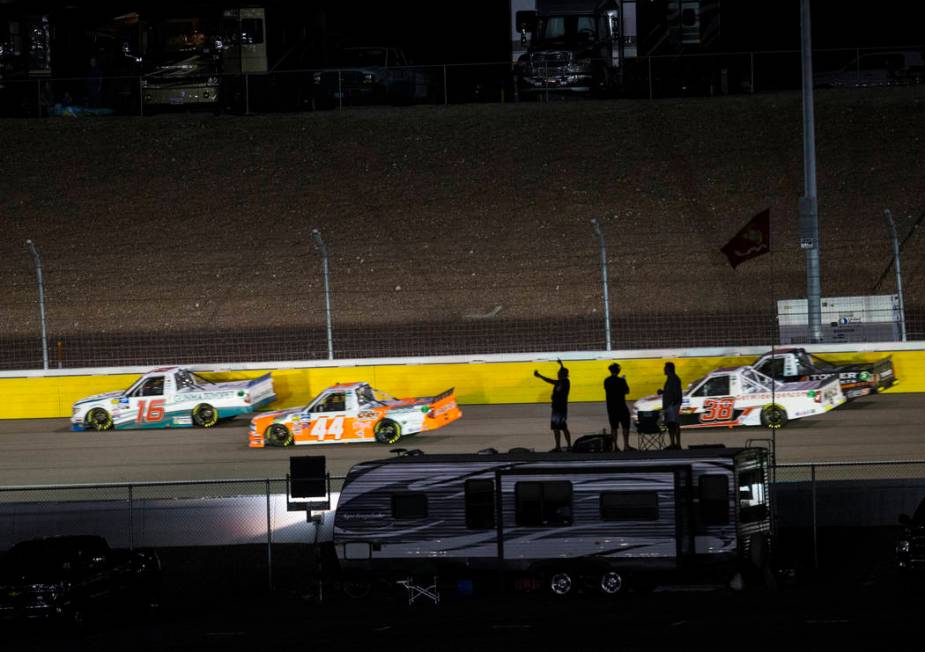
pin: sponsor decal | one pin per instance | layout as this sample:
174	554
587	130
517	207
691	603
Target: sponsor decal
350	516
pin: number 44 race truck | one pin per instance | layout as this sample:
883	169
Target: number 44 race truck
856	378
171	397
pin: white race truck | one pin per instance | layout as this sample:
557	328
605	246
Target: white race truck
742	396
171	397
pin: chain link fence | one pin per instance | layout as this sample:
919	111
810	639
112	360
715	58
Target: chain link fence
811	501
709	74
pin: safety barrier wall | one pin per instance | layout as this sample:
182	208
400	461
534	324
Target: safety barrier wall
490	379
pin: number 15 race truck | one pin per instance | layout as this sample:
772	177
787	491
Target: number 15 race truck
856	378
353	413
172	397
742	396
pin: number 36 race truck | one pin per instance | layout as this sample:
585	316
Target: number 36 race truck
171	397
742	396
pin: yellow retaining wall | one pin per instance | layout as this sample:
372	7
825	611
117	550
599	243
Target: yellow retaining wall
476	383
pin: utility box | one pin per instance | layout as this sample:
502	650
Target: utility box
874	318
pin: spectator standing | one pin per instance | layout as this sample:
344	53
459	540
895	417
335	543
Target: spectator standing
671	405
559	420
615	390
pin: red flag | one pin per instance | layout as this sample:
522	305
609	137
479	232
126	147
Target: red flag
752	240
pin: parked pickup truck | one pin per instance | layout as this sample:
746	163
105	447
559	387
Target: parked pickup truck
171	397
371	75
68	577
856	378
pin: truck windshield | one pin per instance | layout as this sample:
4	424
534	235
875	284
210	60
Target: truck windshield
566	30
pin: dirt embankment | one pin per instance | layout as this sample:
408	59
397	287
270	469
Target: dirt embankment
435	213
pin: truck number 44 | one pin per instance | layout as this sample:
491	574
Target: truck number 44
328	426
150	411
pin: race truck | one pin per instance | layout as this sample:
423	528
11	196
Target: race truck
353	413
742	396
856	378
171	397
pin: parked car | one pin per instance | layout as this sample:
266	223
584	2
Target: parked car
171	397
68	578
876	69
354	413
910	548
371	75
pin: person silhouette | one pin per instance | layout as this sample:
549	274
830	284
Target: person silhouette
559	420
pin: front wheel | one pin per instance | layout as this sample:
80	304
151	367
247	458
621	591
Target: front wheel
561	583
278	435
773	416
99	419
205	416
388	432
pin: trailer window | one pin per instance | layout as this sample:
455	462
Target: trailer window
714	499
629	506
543	503
753	502
480	504
406	507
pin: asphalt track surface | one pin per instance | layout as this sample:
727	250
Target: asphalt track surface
46	451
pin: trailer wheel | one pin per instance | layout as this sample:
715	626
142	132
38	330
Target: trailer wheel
278	435
561	583
205	416
387	432
99	419
611	582
773	416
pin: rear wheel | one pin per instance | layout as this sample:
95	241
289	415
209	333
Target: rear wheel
611	582
773	416
278	435
387	432
99	419
205	416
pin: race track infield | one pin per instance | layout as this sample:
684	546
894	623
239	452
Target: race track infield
46	451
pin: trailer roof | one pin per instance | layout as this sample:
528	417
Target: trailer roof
716	452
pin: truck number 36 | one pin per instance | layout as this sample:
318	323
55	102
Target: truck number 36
150	411
717	409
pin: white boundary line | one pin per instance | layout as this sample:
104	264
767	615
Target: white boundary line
639	354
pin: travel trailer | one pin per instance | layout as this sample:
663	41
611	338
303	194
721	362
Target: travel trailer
598	520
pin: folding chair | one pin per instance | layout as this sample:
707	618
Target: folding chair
416	591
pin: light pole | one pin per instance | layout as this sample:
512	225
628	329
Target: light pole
809	208
320	246
600	237
899	275
41	281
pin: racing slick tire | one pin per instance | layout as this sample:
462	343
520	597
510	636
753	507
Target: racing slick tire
773	416
205	416
387	432
611	582
278	435
98	419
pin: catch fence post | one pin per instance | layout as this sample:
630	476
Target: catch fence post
41	283
131	518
